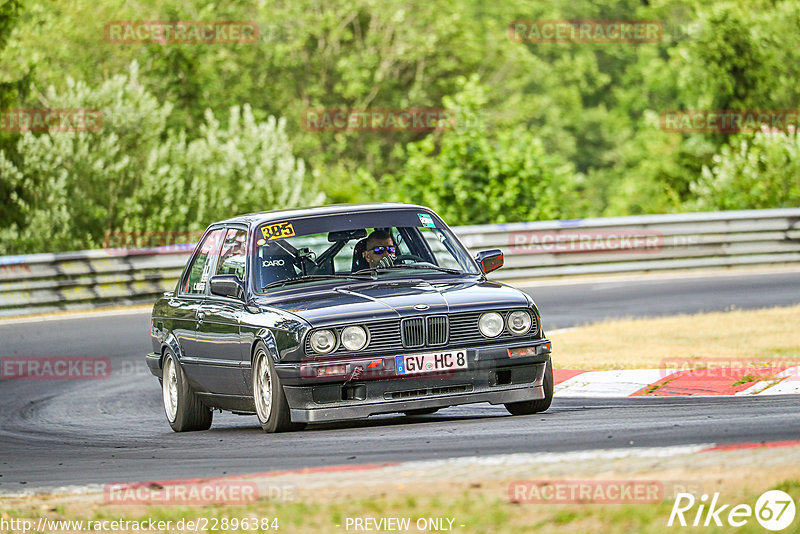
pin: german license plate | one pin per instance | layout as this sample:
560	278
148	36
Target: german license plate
431	362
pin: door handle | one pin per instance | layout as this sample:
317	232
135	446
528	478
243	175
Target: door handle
200	316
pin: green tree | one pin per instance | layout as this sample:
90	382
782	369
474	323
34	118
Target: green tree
242	166
134	175
13	88
76	183
584	114
10	89
754	171
470	177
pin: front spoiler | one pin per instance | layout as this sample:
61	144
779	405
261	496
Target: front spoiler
499	395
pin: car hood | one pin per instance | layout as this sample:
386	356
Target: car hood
392	299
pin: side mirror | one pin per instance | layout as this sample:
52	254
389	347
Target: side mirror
489	260
227	285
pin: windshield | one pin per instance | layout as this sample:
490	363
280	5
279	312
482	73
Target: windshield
356	247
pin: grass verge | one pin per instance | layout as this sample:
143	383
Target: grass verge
766	335
472	509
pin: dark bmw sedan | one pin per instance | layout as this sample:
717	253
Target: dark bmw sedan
342	312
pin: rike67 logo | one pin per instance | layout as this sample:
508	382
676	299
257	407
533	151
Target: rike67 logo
774	510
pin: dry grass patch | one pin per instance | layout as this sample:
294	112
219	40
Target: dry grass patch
750	335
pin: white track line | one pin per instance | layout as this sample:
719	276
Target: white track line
787	382
621	383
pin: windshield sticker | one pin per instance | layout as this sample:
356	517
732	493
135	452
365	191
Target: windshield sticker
426	220
277	231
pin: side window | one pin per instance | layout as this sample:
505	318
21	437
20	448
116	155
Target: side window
199	270
233	254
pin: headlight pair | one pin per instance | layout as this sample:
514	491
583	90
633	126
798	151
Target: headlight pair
518	322
324	341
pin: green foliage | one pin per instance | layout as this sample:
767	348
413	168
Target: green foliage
74	184
13	87
241	167
470	177
9	15
758	171
133	175
554	129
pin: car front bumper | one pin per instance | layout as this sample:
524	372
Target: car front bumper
492	376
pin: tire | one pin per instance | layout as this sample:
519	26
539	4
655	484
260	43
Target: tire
270	402
421	411
184	410
539	405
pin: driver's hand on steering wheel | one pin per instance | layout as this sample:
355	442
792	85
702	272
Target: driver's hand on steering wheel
386	261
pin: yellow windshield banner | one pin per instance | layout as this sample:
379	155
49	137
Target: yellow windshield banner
277	230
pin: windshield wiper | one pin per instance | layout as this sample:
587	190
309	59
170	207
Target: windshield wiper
376	270
313	277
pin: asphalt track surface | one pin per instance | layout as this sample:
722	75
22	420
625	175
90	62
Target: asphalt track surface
56	433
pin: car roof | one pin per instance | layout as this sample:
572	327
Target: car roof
255	219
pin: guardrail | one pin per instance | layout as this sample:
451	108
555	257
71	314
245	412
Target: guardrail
641	243
75	280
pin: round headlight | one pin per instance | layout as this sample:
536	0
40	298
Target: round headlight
490	324
354	338
519	322
323	341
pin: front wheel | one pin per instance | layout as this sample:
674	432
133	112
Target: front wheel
185	412
539	405
270	400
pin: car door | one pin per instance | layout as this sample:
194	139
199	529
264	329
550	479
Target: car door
188	299
218	338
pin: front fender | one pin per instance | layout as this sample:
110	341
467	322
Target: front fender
265	336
